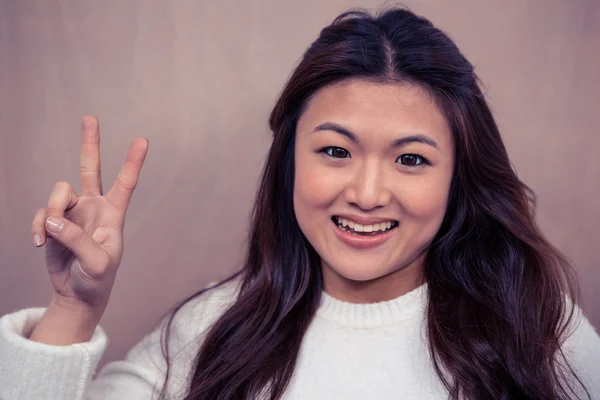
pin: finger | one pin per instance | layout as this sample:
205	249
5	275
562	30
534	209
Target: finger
91	180
86	249
121	191
38	230
62	198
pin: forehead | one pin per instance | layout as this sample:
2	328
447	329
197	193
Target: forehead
377	110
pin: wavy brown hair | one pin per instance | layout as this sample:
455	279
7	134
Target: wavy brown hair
500	297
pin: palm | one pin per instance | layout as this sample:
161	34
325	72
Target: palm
99	219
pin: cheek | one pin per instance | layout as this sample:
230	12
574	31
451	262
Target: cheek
314	185
314	191
426	201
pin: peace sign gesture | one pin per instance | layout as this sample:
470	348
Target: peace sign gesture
83	234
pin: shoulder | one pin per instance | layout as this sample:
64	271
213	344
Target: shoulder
198	314
581	348
191	322
580	333
145	362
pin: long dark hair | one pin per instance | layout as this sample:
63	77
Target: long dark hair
500	297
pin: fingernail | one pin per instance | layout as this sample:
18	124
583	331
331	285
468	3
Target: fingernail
54	224
37	240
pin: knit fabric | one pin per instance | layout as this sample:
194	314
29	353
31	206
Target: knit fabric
350	352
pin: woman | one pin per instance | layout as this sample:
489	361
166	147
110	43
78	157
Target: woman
393	253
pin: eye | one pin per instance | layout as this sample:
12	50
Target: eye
336	152
412	160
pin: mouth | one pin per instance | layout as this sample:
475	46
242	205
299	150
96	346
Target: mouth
357	229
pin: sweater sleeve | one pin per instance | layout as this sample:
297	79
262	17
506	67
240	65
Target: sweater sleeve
582	350
32	370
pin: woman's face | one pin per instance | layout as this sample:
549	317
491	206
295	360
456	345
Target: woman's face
373	165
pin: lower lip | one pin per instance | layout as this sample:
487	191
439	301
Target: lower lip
362	242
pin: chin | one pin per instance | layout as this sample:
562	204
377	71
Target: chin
358	272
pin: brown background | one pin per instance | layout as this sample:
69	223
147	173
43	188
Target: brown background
198	79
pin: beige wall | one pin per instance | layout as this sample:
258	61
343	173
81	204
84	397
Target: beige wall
198	79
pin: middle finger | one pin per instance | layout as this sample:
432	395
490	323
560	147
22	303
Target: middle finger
89	169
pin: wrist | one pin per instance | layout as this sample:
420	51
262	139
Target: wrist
76	308
66	323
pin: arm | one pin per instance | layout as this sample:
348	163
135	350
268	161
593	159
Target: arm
29	370
33	370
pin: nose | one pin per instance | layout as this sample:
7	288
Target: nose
367	188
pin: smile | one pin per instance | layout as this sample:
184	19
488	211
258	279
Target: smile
355	228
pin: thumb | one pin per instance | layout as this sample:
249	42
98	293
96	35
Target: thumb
86	249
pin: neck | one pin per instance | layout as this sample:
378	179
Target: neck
383	288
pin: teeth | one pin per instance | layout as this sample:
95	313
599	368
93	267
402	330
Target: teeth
382	226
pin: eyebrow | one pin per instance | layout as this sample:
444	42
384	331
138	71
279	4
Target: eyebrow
414	138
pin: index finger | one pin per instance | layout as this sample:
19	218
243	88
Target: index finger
89	167
121	191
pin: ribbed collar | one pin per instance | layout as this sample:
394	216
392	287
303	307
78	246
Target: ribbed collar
409	306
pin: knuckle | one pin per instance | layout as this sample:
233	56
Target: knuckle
125	185
39	215
134	164
38	223
102	266
38	218
84	169
62	185
54	210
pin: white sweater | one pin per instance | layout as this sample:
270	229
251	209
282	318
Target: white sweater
350	351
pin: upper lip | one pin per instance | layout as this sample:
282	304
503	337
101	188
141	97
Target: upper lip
364	220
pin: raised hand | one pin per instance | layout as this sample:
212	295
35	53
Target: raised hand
83	234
